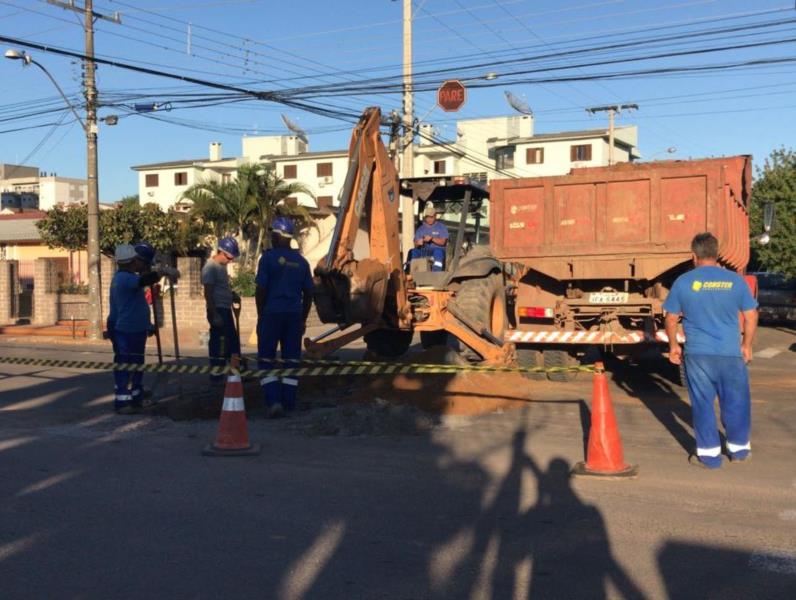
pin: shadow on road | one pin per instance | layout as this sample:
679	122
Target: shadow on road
656	391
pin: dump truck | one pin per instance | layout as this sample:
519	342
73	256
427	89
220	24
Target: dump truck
590	256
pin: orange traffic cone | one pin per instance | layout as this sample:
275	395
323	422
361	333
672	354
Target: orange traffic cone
604	456
233	433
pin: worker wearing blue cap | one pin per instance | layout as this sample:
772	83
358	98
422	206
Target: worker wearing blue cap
224	339
284	299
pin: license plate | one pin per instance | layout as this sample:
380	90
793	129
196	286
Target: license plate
609	297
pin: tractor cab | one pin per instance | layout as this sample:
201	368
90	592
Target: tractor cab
462	198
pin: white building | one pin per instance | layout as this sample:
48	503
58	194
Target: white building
22	183
500	147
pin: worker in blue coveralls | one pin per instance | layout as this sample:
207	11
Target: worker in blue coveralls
431	238
128	324
717	349
284	299
219	297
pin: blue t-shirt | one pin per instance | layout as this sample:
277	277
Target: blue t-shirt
709	299
285	275
437	230
129	310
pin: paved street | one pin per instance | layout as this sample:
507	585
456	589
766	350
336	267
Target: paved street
349	501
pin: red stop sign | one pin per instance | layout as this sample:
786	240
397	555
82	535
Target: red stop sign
451	95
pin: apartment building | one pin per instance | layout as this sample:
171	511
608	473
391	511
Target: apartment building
27	187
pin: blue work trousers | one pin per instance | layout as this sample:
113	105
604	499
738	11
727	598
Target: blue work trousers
128	348
224	341
728	378
283	330
436	253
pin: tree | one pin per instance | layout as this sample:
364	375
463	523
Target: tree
246	206
272	193
127	223
776	183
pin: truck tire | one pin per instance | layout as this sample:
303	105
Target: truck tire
560	358
531	358
680	375
483	300
389	343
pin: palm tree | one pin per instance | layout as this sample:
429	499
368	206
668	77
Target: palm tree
272	193
246	206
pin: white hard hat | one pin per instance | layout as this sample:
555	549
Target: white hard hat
124	253
429	210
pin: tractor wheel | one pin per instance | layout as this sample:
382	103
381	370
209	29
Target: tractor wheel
389	343
560	358
531	358
429	339
483	300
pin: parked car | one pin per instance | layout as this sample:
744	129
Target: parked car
777	296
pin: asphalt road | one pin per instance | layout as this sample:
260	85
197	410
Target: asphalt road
355	502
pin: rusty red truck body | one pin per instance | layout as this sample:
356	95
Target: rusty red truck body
592	254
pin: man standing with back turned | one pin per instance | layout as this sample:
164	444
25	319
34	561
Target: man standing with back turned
717	349
284	300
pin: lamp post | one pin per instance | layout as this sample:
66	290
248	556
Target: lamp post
92	196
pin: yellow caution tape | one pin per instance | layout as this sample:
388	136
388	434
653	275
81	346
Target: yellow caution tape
304	369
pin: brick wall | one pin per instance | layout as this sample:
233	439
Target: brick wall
45	284
72	306
9	290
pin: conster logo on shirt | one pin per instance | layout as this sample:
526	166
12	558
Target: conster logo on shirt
285	262
711	286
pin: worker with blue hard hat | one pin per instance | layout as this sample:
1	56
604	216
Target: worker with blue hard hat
284	299
128	323
219	297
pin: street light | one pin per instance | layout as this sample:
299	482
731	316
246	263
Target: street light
92	195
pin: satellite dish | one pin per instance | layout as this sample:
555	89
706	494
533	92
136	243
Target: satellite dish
518	104
300	133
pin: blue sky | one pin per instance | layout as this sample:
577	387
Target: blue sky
264	45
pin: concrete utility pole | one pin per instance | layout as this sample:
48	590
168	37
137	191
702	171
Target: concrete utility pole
408	153
612	110
90	90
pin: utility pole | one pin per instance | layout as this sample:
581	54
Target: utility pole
92	195
408	153
612	110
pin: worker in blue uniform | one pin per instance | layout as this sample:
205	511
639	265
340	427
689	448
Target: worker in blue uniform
128	324
717	349
283	298
219	297
431	238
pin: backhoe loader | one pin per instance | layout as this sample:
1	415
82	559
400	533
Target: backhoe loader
362	280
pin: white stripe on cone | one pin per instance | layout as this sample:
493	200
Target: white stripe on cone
233	404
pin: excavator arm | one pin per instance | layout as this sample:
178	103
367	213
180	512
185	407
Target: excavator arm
361	279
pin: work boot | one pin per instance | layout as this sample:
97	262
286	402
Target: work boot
695	461
744	456
128	409
276	411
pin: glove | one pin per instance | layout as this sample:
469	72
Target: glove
235	298
150	330
170	273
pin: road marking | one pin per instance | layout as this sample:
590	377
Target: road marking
769	352
773	562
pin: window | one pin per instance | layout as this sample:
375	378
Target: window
439	167
580	152
226	177
290	172
151	180
324	169
324	202
504	157
291	201
181	178
534	156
